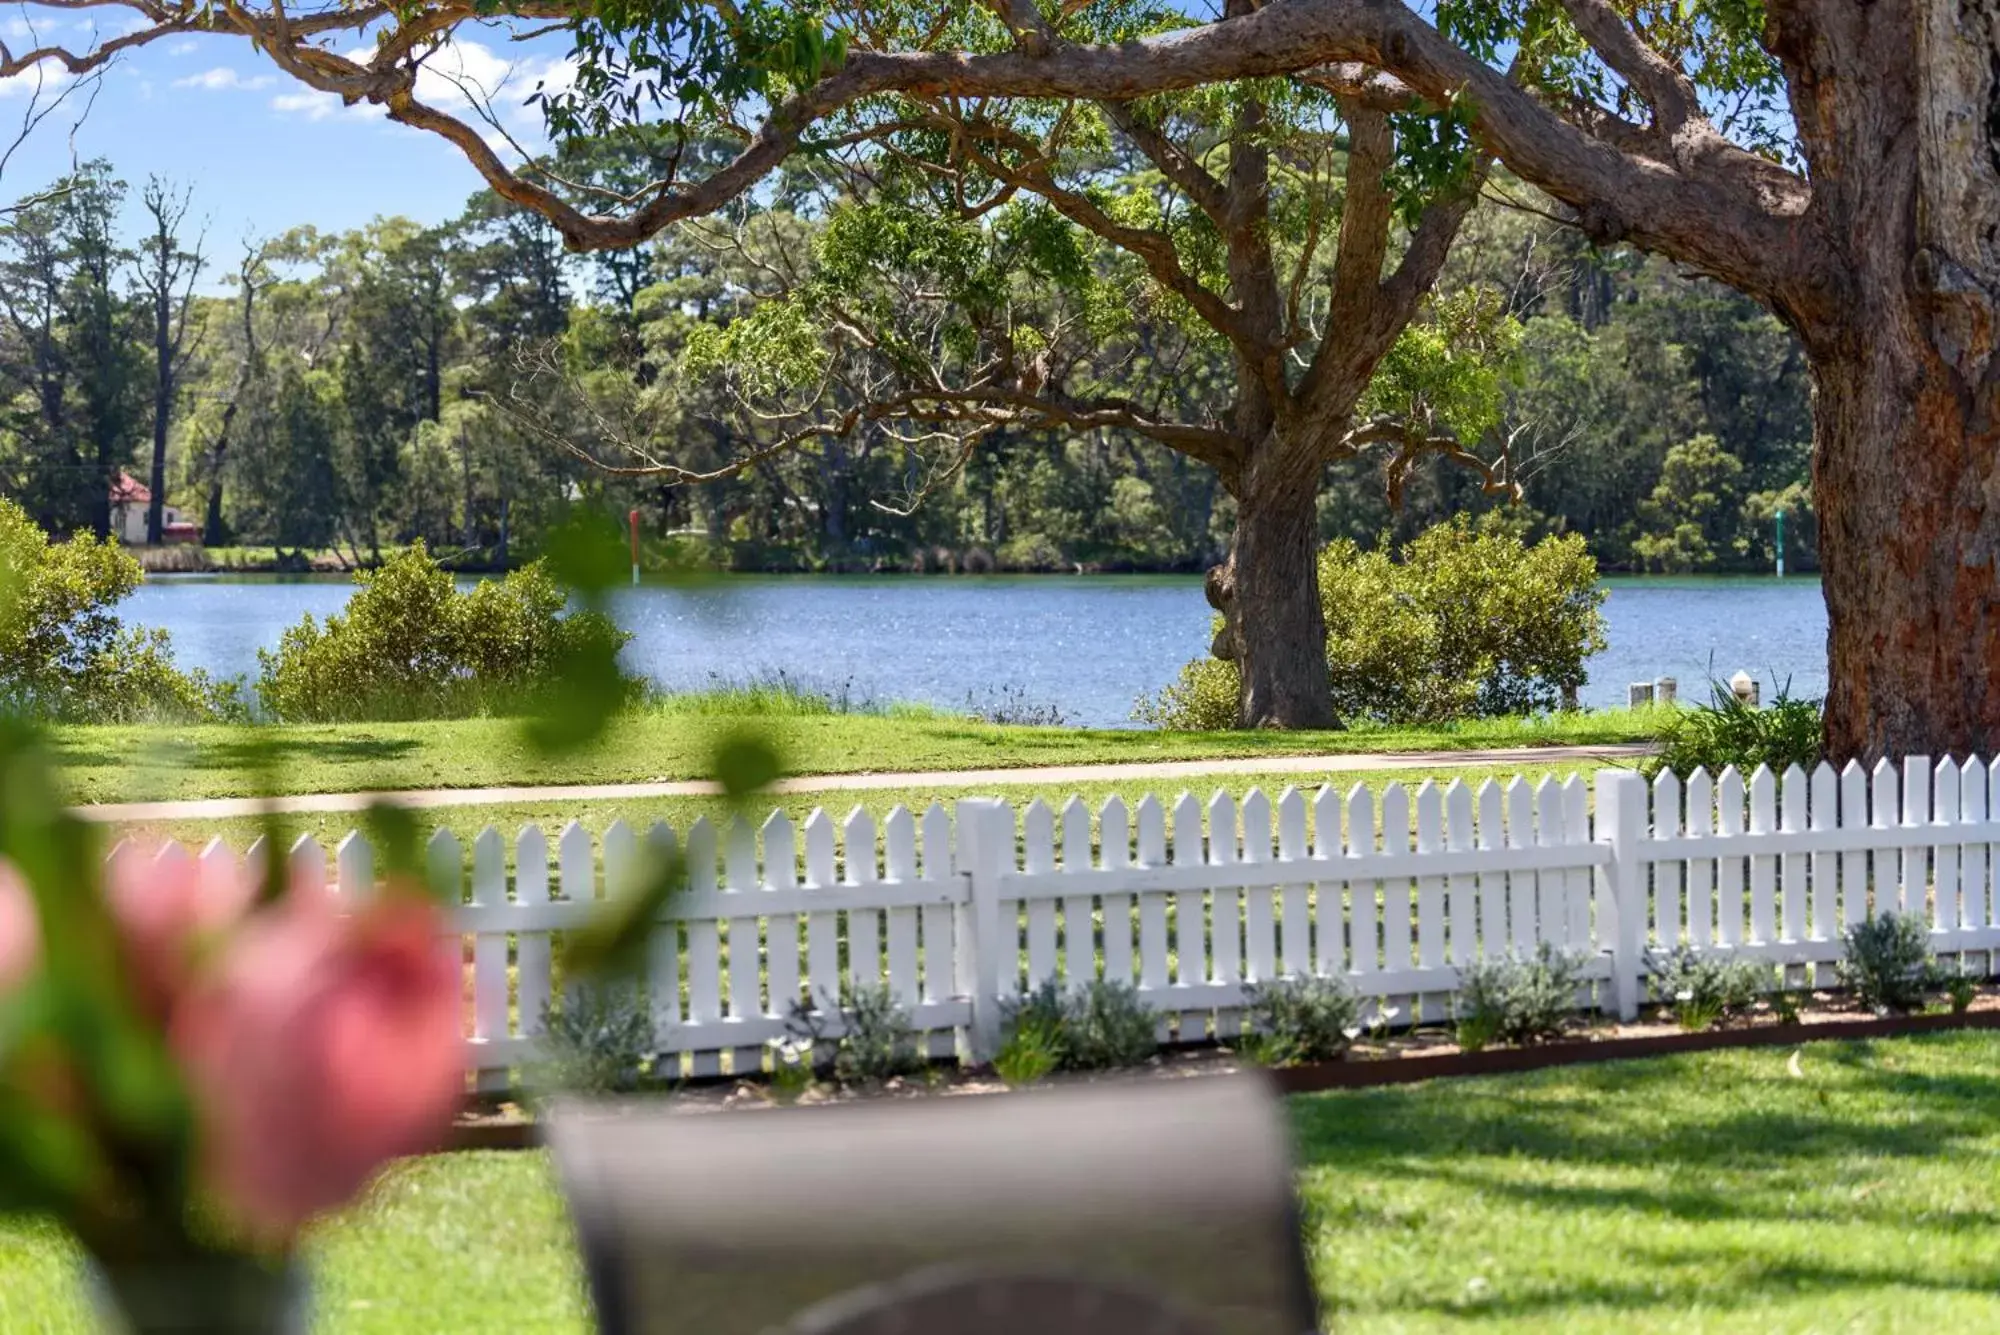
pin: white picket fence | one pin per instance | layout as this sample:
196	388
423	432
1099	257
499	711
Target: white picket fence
960	911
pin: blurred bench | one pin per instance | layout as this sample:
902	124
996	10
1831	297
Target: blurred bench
1149	1207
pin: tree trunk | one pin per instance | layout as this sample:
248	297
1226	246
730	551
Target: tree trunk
163	407
1268	593
1906	468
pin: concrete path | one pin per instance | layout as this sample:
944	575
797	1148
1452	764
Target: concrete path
220	808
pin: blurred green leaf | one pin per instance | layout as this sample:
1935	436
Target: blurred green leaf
745	763
614	941
588	554
398	842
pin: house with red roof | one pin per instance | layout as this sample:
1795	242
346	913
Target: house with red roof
129	500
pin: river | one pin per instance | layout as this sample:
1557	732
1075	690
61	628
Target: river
1086	644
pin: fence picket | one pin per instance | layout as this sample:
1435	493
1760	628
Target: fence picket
1226	929
1430	889
1853	865
576	873
1729	907
1792	870
1038	859
1260	904
864	926
1885	812
489	950
1946	811
1366	940
1991	888
1578	880
1398	911
1153	906
1190	911
940	933
1972	870
1114	839
354	868
1521	894
531	949
1667	874
744	943
1701	871
1329	894
1912	884
1492	834
1763	867
1460	889
899	865
781	945
822	981
1823	810
704	954
1079	926
1295	913
1552	912
307	864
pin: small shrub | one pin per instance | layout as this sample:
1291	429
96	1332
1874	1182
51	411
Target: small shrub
410	645
1010	707
1960	990
64	655
1705	989
1099	1026
1887	962
876	1045
1303	1019
1511	1000
1728	731
1785	1002
1466	620
791	1069
1032	1051
597	1040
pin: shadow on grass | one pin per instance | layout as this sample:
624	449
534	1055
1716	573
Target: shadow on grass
1663	1162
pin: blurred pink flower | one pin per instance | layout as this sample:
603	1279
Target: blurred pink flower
321	1047
20	930
167	909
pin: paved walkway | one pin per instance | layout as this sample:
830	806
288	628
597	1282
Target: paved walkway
219	808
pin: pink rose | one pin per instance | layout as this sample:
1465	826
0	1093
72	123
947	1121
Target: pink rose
322	1047
20	930
167	909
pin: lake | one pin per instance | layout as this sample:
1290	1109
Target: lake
1088	644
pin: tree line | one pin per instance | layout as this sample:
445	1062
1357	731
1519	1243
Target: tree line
459	384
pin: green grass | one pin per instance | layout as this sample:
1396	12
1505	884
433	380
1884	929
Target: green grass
1702	1193
1712	1193
141	763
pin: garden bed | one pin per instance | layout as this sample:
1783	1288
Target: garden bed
1422	1053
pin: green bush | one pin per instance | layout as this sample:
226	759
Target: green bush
876	1042
1728	731
1519	1001
1304	1019
410	645
1467	620
1097	1026
597	1040
64	654
1703	989
1887	962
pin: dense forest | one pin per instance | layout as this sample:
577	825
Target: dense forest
356	392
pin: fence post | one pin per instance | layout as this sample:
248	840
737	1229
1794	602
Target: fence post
1621	823
984	847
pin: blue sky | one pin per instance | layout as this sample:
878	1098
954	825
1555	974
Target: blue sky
261	151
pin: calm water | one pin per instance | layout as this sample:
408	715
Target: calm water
1089	644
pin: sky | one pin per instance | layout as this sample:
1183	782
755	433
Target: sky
260	151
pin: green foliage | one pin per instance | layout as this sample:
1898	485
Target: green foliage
1514	1000
1450	370
1096	1026
63	652
1886	962
411	645
1693	517
1961	989
1705	989
1310	1019
597	1039
1728	731
1470	622
876	1043
1032	1049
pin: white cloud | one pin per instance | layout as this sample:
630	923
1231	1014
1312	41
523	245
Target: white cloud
44	77
463	78
17	27
314	105
222	77
185	46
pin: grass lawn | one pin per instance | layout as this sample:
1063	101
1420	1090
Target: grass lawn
1717	1192
144	763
